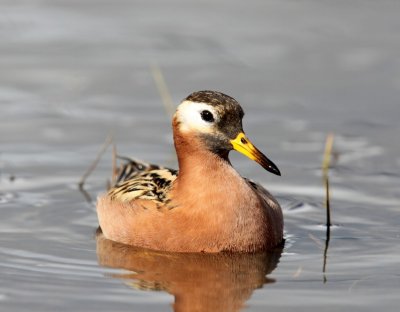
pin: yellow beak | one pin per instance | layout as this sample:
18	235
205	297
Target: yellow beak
243	145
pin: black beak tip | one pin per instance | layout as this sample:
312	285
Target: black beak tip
274	170
271	167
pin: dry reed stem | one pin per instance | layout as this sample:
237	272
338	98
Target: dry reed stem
114	164
298	272
93	166
327	153
163	89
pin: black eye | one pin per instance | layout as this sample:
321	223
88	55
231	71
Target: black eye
207	116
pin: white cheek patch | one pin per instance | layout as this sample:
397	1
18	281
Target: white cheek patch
189	116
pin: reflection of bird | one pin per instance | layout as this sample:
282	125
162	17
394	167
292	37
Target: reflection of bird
198	281
208	206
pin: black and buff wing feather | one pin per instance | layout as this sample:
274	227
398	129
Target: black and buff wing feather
139	180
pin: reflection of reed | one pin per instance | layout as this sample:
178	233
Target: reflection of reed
328	224
198	281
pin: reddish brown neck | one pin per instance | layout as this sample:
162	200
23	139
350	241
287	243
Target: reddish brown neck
197	163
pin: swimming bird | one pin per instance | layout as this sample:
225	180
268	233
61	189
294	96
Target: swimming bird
206	206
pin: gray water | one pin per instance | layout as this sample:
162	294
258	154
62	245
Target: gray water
72	72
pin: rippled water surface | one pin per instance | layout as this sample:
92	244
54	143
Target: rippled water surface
72	72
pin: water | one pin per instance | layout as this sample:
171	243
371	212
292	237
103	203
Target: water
73	72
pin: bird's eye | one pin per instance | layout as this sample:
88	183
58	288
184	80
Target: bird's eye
207	116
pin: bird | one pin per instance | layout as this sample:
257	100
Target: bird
206	205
